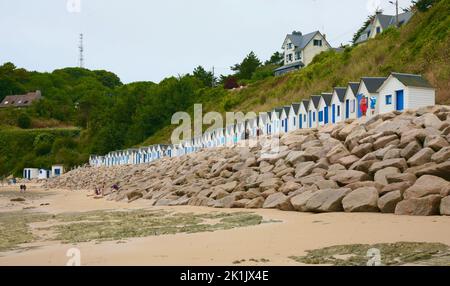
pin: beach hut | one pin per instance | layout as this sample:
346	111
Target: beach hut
44	174
30	173
275	120
284	119
303	114
350	100
293	116
368	93
323	109
337	104
405	91
312	111
263	120
57	170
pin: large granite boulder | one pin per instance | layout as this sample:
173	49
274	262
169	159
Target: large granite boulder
426	185
389	201
425	206
327	200
361	200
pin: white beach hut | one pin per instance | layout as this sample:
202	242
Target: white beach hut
350	100
368	89
337	104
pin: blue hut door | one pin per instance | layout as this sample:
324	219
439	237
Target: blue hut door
333	117
300	121
347	108
286	125
400	100
325	110
310	120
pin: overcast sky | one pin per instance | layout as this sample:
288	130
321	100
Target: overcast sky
149	40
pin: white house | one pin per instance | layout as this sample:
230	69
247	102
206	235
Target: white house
405	91
312	111
368	89
299	50
337	104
350	100
284	118
30	173
380	23
303	114
293	116
323	109
57	170
275	120
43	174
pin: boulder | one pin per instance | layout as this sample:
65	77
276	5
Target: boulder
435	142
226	202
327	200
421	157
347	161
255	203
445	206
218	194
361	200
240	204
336	153
425	206
440	170
304	169
228	187
362	150
279	201
380	175
289	187
365	184
295	157
401	177
384	141
428	120
442	155
426	185
412	148
392	154
412	136
273	183
389	201
399	163
299	201
349	176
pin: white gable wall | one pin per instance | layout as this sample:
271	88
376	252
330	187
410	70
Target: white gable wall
351	103
339	108
310	51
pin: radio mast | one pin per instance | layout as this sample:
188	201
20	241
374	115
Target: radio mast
81	49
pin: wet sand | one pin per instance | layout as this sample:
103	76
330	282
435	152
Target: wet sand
275	241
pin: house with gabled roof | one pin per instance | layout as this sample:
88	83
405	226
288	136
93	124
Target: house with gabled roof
293	116
337	104
350	100
313	106
401	91
368	90
381	22
19	101
284	118
323	109
299	50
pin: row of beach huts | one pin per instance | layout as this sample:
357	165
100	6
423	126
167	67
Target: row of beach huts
366	98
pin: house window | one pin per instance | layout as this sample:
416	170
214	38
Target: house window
318	43
298	56
289	46
378	30
339	110
388	99
352	107
289	58
320	116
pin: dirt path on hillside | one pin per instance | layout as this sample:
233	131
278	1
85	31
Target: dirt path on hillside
289	233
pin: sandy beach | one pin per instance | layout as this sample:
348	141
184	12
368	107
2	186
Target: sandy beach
286	234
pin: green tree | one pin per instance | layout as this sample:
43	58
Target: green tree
276	59
207	78
247	67
24	121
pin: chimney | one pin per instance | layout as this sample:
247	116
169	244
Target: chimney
297	33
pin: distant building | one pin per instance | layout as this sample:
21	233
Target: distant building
30	173
57	170
18	101
380	23
299	50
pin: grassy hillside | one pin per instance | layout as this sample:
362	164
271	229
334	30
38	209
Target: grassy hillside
422	46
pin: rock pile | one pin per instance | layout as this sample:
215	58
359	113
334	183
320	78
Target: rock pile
392	163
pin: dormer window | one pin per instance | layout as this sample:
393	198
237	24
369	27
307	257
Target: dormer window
289	46
318	43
